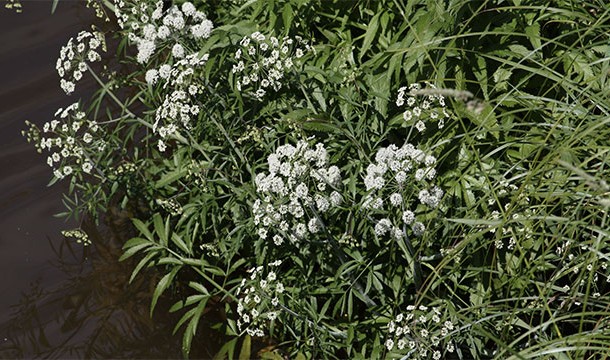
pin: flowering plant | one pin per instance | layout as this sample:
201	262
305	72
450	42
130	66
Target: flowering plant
352	180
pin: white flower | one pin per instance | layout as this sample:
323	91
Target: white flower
401	344
278	240
188	9
165	71
322	203
87	166
389	344
396	199
145	50
262	233
178	51
382	227
300	230
161	145
202	30
313	226
152	76
335	198
163	32
408	217
418	229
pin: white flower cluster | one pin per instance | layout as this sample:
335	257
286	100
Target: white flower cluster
298	191
149	26
260	300
261	63
423	105
71	140
73	58
80	236
171	206
179	106
14	5
423	332
395	176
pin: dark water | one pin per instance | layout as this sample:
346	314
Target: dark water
57	298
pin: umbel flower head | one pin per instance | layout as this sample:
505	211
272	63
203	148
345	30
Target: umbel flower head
422	331
261	63
392	181
150	27
74	56
259	301
423	105
297	193
180	106
73	142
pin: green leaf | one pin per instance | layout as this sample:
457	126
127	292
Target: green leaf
246	350
160	229
191	331
501	77
176	239
287	16
200	288
163	284
369	36
533	34
480	71
275	355
134	245
227	350
143	229
141	264
170	177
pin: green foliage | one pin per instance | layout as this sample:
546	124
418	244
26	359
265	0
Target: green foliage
514	260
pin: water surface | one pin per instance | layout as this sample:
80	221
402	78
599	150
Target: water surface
59	299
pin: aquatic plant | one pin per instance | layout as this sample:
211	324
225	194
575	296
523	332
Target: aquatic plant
406	179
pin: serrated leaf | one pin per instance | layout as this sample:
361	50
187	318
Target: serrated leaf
480	72
274	355
520	50
190	332
133	248
170	177
141	264
143	229
501	77
162	285
200	288
160	229
369	36
533	34
176	239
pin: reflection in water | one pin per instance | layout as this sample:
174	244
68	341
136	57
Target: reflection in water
94	313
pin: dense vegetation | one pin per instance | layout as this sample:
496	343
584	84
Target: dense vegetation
417	179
